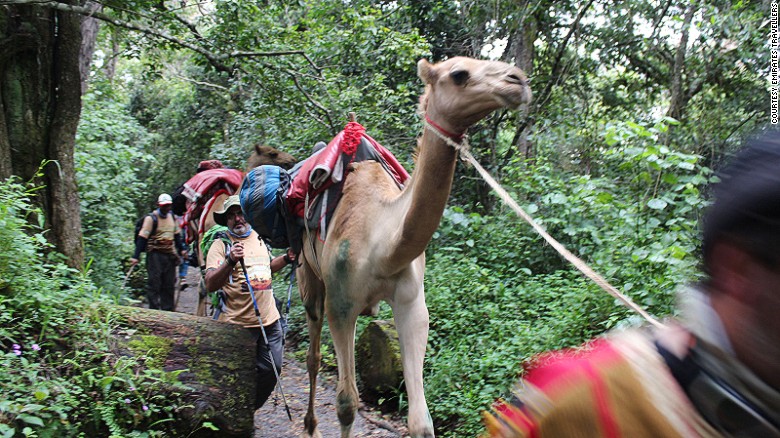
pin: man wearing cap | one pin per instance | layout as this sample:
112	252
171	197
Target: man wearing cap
159	236
713	372
223	271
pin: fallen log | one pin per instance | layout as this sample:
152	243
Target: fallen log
378	361
217	360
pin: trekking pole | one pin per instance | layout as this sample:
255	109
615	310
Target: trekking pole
291	279
130	271
265	338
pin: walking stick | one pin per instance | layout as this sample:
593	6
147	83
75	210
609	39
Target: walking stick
291	279
130	271
176	293
265	338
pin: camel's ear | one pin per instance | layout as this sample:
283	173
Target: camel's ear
425	71
257	149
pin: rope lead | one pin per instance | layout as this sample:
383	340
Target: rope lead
465	155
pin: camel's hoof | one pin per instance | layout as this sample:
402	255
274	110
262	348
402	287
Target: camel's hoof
316	434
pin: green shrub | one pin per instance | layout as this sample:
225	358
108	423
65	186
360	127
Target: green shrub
57	371
109	154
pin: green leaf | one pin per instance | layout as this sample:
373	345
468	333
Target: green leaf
657	204
30	419
210	426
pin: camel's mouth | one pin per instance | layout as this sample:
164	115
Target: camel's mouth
515	91
514	95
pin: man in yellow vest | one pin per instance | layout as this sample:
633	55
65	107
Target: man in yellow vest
161	238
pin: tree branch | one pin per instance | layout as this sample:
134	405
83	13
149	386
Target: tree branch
311	100
217	60
213	58
201	83
556	68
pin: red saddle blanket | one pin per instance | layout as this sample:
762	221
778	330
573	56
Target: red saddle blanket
201	189
327	168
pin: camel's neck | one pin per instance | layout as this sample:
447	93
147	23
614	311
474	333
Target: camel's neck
424	199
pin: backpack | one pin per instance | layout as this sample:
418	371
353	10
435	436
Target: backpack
213	233
218	297
140	223
262	200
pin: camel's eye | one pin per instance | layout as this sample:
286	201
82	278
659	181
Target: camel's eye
459	76
273	154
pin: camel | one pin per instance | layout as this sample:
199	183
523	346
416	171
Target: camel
268	155
378	234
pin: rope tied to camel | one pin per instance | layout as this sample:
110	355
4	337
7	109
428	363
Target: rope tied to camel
463	148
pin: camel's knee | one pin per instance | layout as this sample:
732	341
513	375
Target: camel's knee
346	406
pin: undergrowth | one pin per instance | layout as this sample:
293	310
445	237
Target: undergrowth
58	373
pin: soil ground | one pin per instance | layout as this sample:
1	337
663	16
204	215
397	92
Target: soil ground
271	421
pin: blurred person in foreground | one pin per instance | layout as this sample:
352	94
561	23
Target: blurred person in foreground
713	372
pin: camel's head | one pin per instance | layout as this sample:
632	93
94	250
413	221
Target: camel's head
268	155
461	91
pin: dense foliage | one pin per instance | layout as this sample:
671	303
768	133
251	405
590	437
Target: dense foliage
58	373
635	103
109	138
517	297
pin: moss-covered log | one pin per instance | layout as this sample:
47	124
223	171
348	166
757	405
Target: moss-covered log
218	363
378	361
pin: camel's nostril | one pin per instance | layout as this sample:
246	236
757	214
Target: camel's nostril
515	78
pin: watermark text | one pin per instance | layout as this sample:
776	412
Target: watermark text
774	72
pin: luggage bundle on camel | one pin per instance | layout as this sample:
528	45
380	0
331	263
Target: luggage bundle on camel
203	189
280	204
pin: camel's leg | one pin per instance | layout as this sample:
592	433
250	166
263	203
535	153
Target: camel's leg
313	296
313	359
411	321
342	317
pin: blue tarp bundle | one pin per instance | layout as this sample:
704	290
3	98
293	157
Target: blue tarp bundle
261	198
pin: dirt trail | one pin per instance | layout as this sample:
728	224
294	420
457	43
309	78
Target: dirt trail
271	420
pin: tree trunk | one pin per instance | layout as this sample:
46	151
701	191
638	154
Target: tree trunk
678	99
109	65
40	87
219	362
89	32
524	53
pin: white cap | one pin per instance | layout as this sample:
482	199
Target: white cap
164	199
